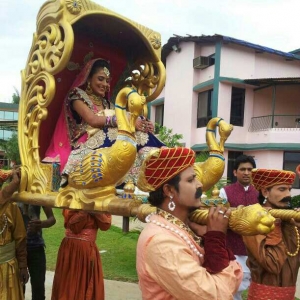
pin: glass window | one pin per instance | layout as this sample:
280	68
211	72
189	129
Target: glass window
9	115
16	115
212	59
237	106
1	115
204	110
159	114
7	134
290	161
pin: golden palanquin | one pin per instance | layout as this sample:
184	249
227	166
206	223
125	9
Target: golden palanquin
68	34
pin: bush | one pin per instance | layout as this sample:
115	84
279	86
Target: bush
167	136
295	201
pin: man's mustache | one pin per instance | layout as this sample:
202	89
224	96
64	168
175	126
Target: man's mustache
286	199
198	193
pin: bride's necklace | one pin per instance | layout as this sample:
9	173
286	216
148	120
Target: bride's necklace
97	100
176	221
5	223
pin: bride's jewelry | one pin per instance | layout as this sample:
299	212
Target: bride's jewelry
97	100
106	71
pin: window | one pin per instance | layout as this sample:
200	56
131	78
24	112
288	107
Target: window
237	106
211	59
290	161
9	115
204	110
159	114
232	156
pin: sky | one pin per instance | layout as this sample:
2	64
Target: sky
270	23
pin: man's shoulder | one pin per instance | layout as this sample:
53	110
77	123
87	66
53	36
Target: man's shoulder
230	185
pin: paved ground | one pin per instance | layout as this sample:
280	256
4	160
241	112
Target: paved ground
114	290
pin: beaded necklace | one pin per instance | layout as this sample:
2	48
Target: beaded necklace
97	100
5	223
173	220
298	244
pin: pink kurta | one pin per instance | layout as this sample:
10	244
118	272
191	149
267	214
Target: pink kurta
168	269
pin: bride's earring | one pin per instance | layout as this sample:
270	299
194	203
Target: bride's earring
265	201
88	89
171	204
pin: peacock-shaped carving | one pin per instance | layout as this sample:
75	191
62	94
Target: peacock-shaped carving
210	171
95	178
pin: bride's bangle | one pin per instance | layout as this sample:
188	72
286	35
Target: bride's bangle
111	121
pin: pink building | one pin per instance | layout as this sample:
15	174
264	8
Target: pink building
255	88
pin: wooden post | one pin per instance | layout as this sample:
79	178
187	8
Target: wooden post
125	226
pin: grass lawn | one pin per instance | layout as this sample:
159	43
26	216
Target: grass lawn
118	260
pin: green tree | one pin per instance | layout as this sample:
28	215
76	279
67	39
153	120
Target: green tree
167	137
16	97
11	148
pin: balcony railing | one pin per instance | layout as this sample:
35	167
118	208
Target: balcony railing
274	121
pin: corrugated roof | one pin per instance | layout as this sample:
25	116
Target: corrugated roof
269	81
208	39
9	106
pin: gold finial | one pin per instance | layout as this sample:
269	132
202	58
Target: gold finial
214	200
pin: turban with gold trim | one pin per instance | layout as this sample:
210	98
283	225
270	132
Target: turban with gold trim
163	164
265	178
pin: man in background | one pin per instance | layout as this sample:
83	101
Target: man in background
36	257
240	193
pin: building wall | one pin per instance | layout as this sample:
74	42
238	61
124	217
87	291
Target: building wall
244	63
274	135
183	84
236	63
286	100
179	92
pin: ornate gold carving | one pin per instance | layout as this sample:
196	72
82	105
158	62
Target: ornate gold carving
148	78
210	171
214	200
33	111
244	220
74	6
50	53
155	41
50	50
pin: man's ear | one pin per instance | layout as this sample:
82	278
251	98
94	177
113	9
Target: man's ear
167	189
234	172
265	192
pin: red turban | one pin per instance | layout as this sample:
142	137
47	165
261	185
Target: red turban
163	164
265	178
5	174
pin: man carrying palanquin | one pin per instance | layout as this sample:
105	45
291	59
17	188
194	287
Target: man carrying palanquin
13	262
274	259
